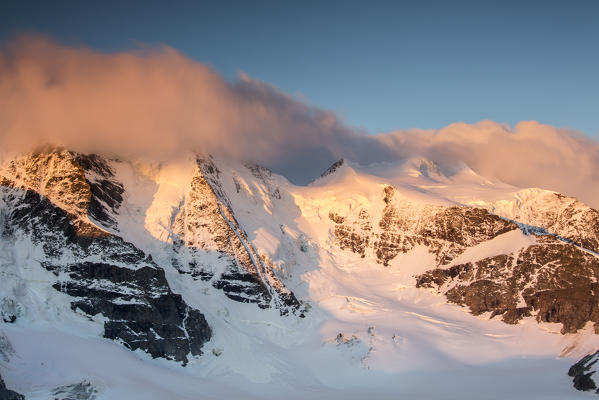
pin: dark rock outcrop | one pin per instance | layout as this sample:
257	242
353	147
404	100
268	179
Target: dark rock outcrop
121	283
83	390
6	394
264	175
143	313
446	231
553	280
106	192
583	375
334	167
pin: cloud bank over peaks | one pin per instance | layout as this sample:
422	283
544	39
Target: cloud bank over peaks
157	103
529	155
153	103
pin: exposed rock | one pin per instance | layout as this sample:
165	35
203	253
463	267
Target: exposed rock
555	213
143	313
553	280
77	391
265	176
7	394
429	169
336	218
341	339
6	349
582	373
106	192
355	237
121	283
206	222
334	167
66	202
10	310
446	231
81	185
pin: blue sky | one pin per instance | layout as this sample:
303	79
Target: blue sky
379	65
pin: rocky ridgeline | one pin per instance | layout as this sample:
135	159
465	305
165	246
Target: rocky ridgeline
552	213
83	186
264	175
206	222
104	274
67	203
403	225
552	280
333	168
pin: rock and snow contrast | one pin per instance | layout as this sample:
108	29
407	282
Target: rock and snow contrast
209	278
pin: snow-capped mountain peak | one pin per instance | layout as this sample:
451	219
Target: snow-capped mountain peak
369	272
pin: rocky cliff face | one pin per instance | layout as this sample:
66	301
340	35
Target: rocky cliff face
404	224
553	213
67	205
583	372
7	394
554	280
552	277
81	185
206	222
57	202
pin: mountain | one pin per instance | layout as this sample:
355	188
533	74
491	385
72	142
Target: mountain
204	276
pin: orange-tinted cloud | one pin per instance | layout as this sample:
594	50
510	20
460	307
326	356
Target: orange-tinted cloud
157	103
529	155
152	102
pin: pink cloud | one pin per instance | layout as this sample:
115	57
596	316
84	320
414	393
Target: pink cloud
157	103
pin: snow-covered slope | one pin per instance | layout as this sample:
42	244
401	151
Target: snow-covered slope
393	279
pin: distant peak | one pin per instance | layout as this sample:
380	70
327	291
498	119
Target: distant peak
334	167
429	168
258	170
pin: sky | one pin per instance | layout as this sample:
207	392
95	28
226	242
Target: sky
379	66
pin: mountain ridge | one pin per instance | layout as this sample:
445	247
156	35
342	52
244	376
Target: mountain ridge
183	264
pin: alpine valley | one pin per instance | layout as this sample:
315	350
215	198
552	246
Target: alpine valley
209	278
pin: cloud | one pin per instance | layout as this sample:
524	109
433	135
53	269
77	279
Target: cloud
529	155
150	102
157	103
